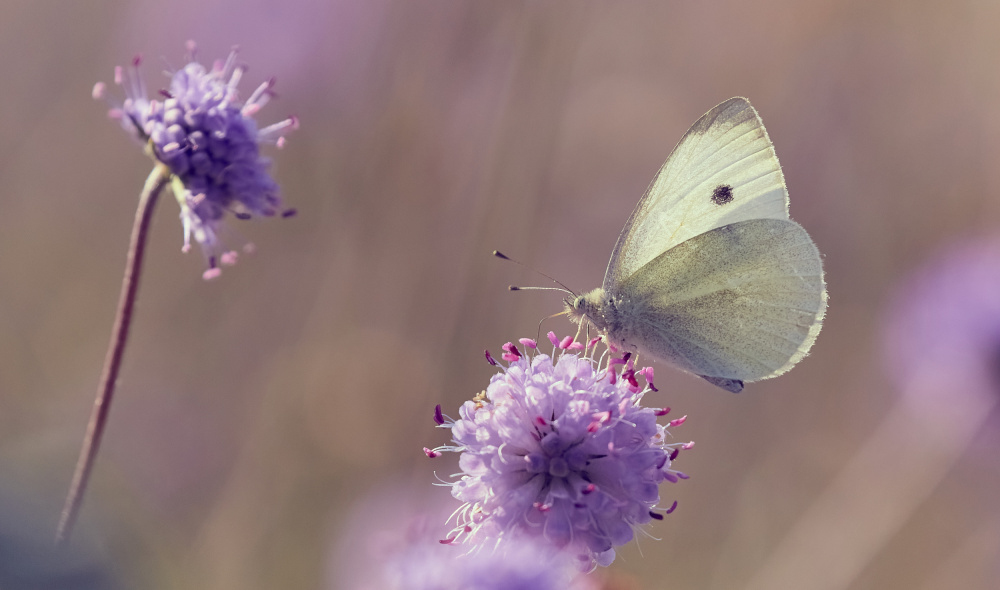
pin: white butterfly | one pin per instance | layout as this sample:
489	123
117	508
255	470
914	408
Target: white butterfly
709	273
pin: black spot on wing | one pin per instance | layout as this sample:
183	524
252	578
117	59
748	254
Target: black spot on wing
722	194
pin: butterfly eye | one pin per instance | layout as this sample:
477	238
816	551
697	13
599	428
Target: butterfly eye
578	304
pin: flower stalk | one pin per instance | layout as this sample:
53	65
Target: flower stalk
205	142
158	179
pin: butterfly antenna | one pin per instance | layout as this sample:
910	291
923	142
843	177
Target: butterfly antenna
563	288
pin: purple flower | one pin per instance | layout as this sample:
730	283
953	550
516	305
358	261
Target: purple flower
560	448
434	566
392	543
208	139
942	338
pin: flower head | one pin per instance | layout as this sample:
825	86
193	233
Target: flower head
560	448
399	549
433	566
208	139
942	336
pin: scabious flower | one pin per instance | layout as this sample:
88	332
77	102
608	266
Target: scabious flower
559	448
942	337
392	543
207	137
433	566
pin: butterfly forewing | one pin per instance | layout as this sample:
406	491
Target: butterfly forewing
722	171
743	301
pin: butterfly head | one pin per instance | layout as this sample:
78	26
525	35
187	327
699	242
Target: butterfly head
587	306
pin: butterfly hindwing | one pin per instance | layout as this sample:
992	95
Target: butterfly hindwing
743	301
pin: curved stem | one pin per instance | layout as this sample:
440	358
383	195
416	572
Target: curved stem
116	349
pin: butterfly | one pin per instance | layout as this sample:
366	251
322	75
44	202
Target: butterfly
709	274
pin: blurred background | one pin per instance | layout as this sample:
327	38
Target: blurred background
255	412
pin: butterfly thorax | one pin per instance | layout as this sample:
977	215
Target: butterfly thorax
600	309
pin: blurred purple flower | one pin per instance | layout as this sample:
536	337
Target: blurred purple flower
209	140
943	333
433	566
399	549
560	448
